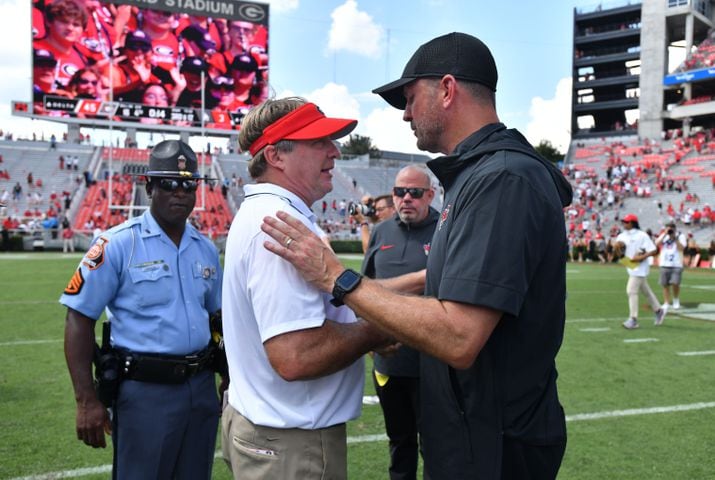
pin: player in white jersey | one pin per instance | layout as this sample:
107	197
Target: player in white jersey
637	246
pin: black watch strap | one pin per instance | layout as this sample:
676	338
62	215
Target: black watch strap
344	284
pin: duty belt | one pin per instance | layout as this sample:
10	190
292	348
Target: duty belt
153	368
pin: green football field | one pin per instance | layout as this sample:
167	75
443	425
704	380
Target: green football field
640	404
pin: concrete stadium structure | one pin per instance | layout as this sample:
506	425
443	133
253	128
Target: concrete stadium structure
621	79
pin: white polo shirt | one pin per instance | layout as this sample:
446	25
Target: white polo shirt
264	296
637	242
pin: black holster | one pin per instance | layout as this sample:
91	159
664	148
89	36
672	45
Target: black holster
107	369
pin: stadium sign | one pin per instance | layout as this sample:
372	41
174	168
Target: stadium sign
230	9
690	76
127	77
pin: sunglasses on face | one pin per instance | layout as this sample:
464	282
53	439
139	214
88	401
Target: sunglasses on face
87	81
171	185
414	192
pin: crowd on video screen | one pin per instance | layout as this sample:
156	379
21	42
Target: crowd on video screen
157	67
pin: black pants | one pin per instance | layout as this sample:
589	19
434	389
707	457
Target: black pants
521	461
400	403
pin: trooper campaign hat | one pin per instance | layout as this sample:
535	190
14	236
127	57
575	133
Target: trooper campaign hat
172	158
463	56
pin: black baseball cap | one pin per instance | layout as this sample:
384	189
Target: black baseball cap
200	36
43	58
461	55
137	38
193	65
244	62
172	158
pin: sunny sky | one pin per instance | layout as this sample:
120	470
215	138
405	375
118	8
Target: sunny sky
334	52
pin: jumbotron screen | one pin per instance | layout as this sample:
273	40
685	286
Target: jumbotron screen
184	63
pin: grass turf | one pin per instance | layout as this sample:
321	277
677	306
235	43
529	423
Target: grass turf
603	368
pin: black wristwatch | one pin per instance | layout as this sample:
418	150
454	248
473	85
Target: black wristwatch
344	284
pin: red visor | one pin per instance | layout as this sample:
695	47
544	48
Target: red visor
304	123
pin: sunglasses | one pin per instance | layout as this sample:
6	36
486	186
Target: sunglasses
86	81
414	192
171	185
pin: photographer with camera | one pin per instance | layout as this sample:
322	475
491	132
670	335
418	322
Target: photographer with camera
671	244
159	281
376	210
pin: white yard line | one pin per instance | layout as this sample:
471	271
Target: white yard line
80	472
28	342
693	354
640	340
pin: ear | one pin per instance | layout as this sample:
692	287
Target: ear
274	157
149	188
447	88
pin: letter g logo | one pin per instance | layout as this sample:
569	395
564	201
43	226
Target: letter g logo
252	12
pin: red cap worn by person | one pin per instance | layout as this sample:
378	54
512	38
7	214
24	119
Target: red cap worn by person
307	122
630	218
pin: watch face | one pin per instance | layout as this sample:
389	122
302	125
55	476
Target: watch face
348	280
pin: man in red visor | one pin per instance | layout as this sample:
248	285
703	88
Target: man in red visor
295	356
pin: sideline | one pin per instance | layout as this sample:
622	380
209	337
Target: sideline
80	472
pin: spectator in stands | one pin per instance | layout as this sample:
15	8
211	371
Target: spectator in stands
16	192
67	239
136	70
155	95
221	89
671	244
691	253
192	70
158	25
86	83
65	21
636	247
198	42
43	75
244	70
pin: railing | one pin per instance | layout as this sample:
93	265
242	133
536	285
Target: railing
607	6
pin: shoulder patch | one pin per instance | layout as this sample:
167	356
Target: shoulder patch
95	256
75	284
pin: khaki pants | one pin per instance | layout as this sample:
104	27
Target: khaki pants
254	452
636	285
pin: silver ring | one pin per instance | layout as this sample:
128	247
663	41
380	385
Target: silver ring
288	242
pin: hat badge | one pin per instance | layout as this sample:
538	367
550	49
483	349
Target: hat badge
181	161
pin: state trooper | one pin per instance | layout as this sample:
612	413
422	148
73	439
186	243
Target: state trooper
159	280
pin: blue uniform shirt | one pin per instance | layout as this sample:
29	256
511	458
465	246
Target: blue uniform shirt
157	297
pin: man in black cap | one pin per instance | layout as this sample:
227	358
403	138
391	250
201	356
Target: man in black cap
137	70
159	280
195	72
492	319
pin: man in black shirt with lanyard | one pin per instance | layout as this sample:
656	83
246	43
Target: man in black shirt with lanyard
492	318
397	246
